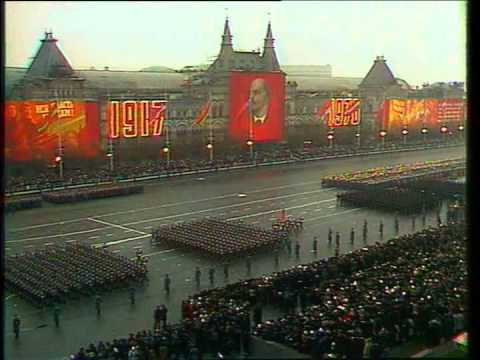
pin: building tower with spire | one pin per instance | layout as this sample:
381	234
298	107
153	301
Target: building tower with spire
269	57
379	84
49	60
50	74
228	59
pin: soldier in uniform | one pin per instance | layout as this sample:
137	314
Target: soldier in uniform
352	236
16	326
131	291
167	284
249	265
211	275
56	316
98	304
365	230
315	244
226	270
198	274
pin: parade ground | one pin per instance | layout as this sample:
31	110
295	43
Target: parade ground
124	224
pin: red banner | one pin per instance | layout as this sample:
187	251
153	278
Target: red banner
412	113
36	129
450	110
136	118
257	106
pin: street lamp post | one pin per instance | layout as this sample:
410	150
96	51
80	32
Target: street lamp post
166	148
250	145
460	130
210	150
210	140
444	131
382	134
110	159
59	157
404	134
357	135
110	154
166	151
59	161
330	138
424	133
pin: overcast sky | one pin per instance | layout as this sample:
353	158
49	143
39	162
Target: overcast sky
421	41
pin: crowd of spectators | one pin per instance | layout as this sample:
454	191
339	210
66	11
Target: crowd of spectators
218	237
55	274
50	178
359	304
418	290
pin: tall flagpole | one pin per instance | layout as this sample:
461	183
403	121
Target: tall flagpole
167	138
110	153
210	140
250	130
60	144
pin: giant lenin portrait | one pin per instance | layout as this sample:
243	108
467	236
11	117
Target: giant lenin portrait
257	106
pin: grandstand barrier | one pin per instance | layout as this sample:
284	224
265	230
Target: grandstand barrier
165	175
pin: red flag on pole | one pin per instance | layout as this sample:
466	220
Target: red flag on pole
324	110
203	113
381	115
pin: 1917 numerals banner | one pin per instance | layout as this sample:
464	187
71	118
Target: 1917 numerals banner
133	118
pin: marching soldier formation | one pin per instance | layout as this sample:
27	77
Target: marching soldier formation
74	195
218	237
53	275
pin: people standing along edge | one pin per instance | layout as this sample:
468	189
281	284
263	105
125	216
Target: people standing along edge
16	326
198	275
56	316
167	282
365	230
131	292
211	275
98	305
226	270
